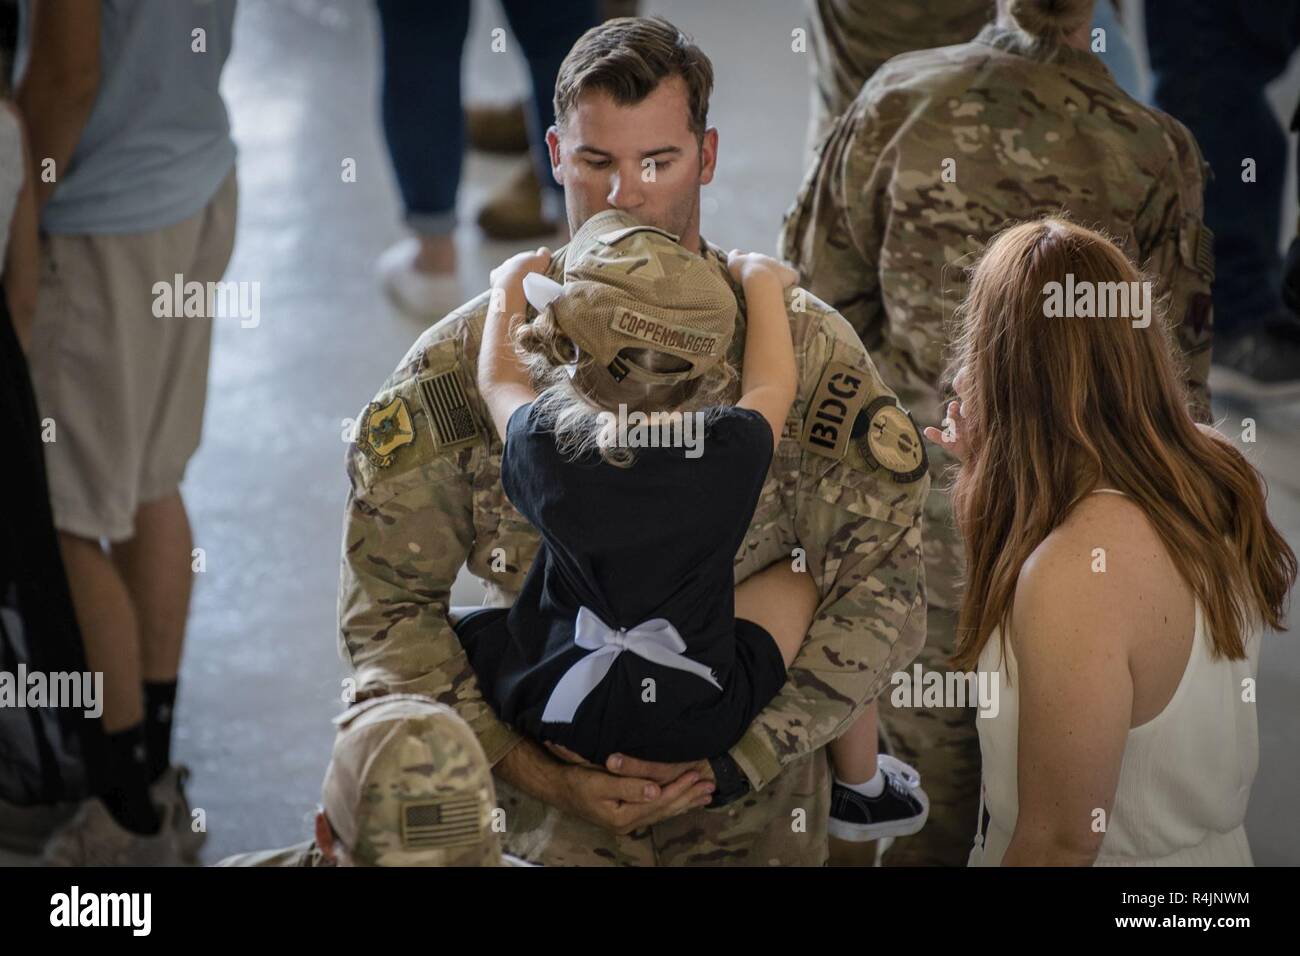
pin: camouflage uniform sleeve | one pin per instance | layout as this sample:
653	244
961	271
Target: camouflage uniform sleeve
1178	248
860	527
408	529
831	234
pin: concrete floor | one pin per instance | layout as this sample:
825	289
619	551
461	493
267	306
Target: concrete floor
261	670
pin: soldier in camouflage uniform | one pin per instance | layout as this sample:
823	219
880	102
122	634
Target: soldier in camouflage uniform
408	785
942	149
426	499
850	39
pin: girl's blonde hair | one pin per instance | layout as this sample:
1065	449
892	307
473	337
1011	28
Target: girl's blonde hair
572	405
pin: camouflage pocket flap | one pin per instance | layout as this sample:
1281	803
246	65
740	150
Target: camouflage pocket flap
863	494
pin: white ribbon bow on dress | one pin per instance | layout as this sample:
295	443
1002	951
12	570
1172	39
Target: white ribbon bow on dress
656	640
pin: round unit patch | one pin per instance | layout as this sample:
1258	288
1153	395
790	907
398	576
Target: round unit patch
888	439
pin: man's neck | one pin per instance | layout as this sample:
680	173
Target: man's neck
691	240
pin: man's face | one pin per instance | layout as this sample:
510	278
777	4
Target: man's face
642	159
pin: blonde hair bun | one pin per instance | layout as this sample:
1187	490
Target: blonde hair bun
1048	17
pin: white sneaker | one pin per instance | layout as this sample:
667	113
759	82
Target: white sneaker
93	838
423	295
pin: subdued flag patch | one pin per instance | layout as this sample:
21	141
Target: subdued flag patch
453	822
450	418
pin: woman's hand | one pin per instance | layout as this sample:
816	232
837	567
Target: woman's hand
953	437
510	274
747	266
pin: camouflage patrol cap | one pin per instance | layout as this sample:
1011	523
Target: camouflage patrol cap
409	785
630	285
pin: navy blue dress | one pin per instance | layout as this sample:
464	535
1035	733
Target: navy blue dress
656	540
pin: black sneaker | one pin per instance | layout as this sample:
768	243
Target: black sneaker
900	810
1263	364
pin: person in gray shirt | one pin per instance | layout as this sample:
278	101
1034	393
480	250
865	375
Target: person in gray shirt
136	190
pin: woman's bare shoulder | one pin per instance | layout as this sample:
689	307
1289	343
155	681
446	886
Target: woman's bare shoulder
1089	574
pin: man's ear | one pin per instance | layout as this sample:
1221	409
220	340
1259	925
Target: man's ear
708	155
325	837
553	151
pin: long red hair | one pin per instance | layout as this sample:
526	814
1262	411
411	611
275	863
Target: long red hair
1056	406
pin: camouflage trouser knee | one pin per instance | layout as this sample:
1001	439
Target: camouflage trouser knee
942	744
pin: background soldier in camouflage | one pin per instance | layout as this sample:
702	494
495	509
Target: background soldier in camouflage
942	149
850	39
426	498
408	785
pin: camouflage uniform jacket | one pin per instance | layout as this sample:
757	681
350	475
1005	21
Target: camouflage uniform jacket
426	498
851	39
944	148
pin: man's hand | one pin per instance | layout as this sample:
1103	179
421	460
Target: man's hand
620	803
624	766
659	772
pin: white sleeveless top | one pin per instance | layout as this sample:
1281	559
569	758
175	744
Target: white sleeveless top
1186	774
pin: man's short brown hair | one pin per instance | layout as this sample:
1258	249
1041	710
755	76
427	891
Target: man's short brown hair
627	58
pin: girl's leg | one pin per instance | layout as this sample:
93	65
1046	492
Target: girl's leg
853	753
781	600
784	601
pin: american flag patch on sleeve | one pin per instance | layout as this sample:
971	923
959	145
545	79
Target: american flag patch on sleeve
445	405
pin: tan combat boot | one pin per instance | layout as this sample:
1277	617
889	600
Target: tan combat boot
497	128
516	211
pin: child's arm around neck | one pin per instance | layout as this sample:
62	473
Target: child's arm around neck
502	379
768	377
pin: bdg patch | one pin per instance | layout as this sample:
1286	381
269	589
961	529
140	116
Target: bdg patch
450	419
384	429
888	438
828	423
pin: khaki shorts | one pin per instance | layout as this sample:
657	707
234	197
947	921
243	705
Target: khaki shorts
125	390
